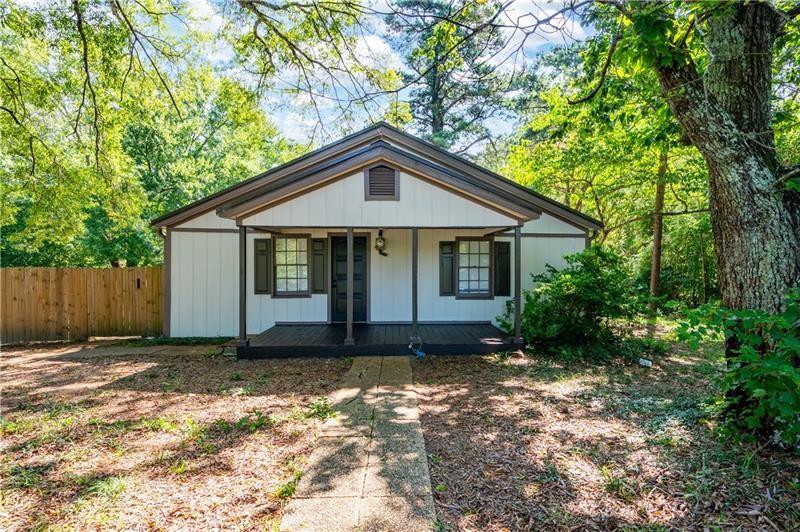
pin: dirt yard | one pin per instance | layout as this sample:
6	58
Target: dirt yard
180	437
154	437
526	443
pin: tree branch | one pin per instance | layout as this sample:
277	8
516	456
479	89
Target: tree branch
87	82
603	73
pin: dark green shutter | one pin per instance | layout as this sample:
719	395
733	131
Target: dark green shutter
262	260
502	268
318	266
447	273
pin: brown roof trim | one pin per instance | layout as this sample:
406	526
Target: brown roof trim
481	177
207	203
562	211
378	151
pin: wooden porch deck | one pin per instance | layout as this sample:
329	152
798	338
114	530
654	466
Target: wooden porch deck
375	339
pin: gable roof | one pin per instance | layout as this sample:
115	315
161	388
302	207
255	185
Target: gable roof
381	142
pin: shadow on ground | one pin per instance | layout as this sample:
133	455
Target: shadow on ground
100	435
521	443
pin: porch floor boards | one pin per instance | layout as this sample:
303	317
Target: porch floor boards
374	339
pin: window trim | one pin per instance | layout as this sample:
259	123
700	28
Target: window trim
295	294
490	293
369	197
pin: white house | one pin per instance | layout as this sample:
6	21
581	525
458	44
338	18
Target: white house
360	247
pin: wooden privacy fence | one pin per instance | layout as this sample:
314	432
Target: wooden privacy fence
75	303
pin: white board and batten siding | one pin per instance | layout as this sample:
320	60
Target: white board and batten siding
205	266
342	204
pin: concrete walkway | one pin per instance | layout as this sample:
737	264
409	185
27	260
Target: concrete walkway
369	471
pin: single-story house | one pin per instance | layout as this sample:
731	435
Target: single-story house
363	246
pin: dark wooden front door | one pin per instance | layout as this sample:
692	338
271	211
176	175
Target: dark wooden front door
339	278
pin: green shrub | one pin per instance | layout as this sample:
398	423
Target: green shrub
761	383
570	310
321	408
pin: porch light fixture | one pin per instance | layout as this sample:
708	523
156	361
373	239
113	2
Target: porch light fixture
380	244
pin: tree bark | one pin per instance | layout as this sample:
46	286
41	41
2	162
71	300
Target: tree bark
756	225
658	228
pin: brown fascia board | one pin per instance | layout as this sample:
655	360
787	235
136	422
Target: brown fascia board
207	203
379	151
463	167
466	166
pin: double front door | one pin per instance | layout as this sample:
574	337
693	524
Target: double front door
339	278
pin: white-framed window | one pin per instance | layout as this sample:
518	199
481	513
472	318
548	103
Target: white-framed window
474	274
291	265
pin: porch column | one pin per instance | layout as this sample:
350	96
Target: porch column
518	285
349	338
414	283
243	286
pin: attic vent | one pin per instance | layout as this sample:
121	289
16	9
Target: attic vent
381	183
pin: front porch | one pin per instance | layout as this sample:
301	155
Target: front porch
348	279
375	339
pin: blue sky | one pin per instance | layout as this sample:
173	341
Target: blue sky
291	113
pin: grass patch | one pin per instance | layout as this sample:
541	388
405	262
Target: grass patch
159	424
321	408
163	340
25	477
15	426
256	421
178	468
618	486
288	488
109	488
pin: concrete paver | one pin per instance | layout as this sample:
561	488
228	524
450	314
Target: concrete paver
369	470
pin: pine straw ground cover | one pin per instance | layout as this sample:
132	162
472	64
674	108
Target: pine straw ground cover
167	437
528	442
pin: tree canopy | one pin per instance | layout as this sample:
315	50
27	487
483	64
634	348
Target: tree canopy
675	123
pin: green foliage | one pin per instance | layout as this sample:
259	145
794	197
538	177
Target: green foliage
603	157
94	144
321	408
570	310
24	477
688	265
255	422
761	383
106	488
454	89
288	488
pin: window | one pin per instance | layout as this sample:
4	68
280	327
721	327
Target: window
474	268
291	265
381	183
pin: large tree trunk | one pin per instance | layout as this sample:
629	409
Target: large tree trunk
658	228
756	225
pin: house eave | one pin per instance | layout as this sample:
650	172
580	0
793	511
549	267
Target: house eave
230	201
354	162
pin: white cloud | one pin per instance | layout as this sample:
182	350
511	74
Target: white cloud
373	51
296	127
205	15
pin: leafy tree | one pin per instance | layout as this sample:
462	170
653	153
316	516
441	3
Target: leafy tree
454	89
618	156
98	136
714	64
